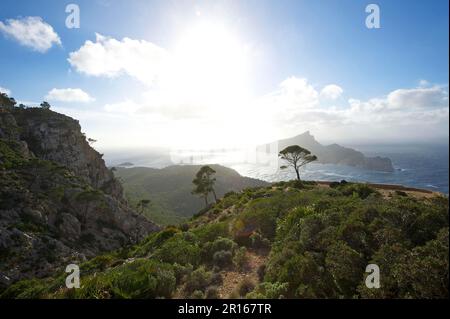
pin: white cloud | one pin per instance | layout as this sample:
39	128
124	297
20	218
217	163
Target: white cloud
31	32
415	114
418	98
69	95
5	90
293	95
155	119
299	92
404	100
110	57
404	114
331	91
190	99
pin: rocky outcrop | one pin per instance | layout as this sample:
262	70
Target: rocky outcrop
58	138
59	203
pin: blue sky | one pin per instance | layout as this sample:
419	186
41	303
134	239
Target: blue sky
295	49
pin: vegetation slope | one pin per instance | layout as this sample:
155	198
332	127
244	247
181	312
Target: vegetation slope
170	189
287	240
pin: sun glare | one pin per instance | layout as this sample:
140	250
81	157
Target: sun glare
210	65
208	76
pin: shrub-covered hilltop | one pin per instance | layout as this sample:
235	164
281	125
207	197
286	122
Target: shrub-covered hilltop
170	189
288	240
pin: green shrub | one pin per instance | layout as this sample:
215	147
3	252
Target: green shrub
181	272
260	216
139	279
153	241
261	271
93	287
259	242
357	190
198	294
199	279
25	289
346	266
212	292
220	244
240	259
269	290
296	184
245	287
178	250
210	232
216	279
99	263
223	258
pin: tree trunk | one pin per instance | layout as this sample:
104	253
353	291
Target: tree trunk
206	200
298	174
214	193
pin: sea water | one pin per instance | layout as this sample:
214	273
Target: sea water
415	166
420	166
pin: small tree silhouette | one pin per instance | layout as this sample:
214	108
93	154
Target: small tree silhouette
296	157
45	105
204	183
143	204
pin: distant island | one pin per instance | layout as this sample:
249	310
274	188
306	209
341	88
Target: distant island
335	154
125	164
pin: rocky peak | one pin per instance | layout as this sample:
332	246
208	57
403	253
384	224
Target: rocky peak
58	138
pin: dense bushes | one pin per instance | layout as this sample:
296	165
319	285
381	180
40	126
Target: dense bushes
268	290
240	259
25	289
179	249
139	279
318	240
223	258
155	240
198	280
357	190
321	251
210	232
259	215
245	287
418	273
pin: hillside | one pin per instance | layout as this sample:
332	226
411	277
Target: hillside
59	203
290	240
336	154
170	189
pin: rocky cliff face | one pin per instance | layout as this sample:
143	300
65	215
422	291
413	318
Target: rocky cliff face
59	203
58	138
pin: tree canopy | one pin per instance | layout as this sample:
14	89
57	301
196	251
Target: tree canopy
45	105
204	183
6	101
296	157
143	204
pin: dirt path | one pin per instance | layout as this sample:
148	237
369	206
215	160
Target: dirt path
232	279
